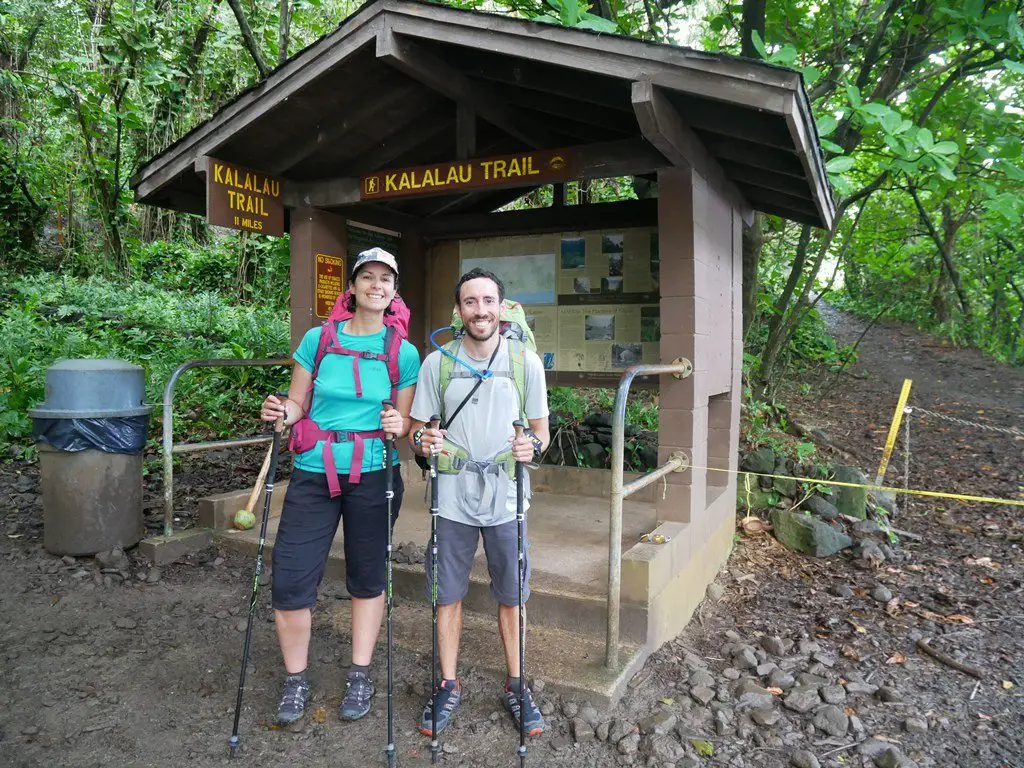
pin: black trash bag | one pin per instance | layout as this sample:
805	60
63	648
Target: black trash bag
125	434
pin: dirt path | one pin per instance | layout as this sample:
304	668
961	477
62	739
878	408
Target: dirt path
942	374
142	671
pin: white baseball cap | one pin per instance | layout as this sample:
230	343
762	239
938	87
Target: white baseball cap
375	254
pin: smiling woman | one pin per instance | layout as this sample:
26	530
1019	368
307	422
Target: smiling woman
348	479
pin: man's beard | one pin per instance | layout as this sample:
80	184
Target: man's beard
469	331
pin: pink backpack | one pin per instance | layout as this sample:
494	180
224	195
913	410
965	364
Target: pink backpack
305	433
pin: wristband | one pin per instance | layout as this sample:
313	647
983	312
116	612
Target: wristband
538	444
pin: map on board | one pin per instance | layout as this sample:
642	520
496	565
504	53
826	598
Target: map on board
529	279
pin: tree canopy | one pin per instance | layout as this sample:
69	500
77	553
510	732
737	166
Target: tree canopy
918	103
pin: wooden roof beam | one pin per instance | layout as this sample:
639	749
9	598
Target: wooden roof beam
387	147
661	125
756	156
566	107
329	134
775	182
626	213
771	199
726	79
323	193
801	125
380	216
465	131
422	65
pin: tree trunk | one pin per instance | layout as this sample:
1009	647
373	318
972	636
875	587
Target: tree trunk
940	296
776	325
945	253
283	32
249	39
172	97
753	21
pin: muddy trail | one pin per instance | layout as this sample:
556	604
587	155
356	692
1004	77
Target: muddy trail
790	660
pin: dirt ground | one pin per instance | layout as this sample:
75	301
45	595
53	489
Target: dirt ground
101	670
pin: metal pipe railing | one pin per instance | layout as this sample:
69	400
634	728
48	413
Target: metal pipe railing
680	368
169	448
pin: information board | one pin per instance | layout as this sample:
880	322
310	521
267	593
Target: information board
362	237
330	282
591	298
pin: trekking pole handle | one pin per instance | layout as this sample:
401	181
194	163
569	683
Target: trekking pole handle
279	424
387	406
519	427
435	421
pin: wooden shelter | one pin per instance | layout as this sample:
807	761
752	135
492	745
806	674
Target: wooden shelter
362	131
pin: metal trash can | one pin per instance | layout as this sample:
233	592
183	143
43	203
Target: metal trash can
91	431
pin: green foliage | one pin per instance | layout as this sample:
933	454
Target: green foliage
569	13
576	403
918	114
239	266
46	318
917	111
573	405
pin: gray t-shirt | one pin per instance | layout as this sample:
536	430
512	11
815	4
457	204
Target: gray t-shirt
484	425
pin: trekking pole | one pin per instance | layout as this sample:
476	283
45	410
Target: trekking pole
268	490
435	422
519	426
389	493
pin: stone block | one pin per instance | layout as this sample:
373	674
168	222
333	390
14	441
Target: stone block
852	501
217	511
163	550
678	426
749	495
676	502
806	534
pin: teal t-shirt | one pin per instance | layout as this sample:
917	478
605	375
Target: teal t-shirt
335	405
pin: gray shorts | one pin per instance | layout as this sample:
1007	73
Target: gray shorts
456	548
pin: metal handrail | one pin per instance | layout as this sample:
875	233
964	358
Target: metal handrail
169	448
677	462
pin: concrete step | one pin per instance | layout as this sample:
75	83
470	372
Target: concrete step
568	535
554	602
570	663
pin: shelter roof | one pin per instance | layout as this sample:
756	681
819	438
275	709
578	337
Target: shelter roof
393	86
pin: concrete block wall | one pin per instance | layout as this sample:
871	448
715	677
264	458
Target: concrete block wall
701	320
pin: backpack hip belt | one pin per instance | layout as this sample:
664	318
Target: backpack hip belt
453	457
306	434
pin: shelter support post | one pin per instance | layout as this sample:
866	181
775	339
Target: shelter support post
314	232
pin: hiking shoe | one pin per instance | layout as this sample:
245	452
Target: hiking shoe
358	692
448	695
534	720
293	700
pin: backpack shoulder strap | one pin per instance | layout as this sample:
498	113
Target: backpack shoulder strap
446	368
392	348
517	365
328	338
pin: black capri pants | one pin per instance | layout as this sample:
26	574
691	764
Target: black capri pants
309	521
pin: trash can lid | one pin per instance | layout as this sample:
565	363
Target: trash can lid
93	388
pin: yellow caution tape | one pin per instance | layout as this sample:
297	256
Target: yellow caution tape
843	484
894	430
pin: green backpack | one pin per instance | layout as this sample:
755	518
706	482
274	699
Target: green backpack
513	326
